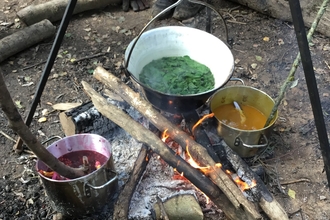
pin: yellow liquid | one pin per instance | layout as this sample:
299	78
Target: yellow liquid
230	116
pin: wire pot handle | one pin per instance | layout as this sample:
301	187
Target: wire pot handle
168	9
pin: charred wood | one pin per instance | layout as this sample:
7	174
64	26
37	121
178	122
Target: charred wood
200	134
260	192
85	119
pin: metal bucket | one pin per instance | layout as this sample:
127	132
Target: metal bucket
246	143
173	41
87	194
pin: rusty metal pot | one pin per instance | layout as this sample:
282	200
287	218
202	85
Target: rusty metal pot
171	41
87	194
245	143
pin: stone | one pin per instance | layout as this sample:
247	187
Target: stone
180	206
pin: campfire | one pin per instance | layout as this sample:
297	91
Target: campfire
223	177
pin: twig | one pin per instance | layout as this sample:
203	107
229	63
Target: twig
7	136
326	63
295	212
296	63
89	57
37	64
295	181
235	22
163	214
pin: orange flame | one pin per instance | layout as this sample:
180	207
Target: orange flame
164	135
243	185
193	163
201	120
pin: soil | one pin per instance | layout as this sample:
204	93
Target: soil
264	49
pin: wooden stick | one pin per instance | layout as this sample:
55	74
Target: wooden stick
17	124
122	204
25	38
53	10
147	137
198	152
7	136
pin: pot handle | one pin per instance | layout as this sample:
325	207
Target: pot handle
237	79
102	186
168	9
263	142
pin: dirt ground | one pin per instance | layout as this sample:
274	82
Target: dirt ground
264	49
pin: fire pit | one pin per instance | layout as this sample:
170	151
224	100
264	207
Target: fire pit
214	170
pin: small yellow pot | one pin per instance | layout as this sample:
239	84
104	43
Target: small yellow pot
246	143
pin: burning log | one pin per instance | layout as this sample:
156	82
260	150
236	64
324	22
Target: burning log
143	135
263	196
198	152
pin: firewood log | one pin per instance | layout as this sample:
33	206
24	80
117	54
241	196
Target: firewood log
25	38
53	10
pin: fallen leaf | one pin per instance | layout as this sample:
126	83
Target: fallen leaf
44	112
294	83
280	41
292	193
254	66
18	104
42	119
27	84
326	47
121	19
258	58
65	106
88	29
266	39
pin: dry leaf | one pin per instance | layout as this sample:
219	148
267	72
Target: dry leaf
42	119
266	39
18	104
254	66
292	193
258	58
280	41
65	106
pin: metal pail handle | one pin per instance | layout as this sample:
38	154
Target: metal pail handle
239	142
105	184
168	9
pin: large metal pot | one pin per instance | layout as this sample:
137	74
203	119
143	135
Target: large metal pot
199	45
245	143
87	194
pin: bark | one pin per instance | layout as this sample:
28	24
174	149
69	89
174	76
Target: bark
25	38
198	152
147	137
53	10
17	124
121	208
280	9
